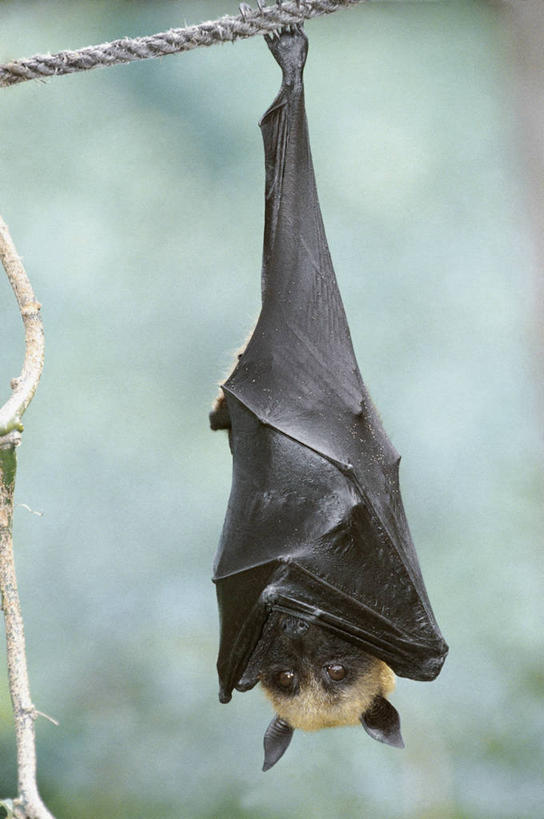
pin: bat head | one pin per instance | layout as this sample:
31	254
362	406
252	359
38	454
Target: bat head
317	680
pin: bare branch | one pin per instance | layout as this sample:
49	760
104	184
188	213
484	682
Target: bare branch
28	804
25	385
52	720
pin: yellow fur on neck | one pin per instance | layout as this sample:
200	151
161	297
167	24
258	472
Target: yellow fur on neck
313	708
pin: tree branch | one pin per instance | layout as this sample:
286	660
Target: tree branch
28	804
25	385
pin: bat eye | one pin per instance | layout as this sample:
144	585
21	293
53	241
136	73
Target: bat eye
286	679
336	671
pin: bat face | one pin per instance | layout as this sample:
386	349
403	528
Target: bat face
316	680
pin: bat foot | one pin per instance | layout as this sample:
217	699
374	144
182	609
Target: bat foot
289	46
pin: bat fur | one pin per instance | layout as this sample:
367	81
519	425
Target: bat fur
316	701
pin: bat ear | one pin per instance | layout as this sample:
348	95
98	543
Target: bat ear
382	722
277	737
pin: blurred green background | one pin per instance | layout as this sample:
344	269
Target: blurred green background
135	196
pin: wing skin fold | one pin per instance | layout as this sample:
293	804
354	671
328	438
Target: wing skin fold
315	522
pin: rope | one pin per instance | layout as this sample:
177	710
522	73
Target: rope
250	22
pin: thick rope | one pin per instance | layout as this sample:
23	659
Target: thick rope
227	29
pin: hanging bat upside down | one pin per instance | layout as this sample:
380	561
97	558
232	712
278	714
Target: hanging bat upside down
319	588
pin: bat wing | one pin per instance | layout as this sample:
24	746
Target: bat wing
315	522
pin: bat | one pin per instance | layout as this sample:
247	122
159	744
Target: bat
319	588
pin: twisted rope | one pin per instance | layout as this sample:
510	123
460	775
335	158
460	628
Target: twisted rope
248	23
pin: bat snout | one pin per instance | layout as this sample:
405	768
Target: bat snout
294	627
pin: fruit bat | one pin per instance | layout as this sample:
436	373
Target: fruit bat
319	588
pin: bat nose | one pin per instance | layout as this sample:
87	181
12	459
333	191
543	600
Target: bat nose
294	627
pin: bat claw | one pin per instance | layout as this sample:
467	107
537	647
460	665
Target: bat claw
289	46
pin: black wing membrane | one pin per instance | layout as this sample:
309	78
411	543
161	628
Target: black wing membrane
315	523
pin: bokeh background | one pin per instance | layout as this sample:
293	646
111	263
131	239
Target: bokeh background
135	196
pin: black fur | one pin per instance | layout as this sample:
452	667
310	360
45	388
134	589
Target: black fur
300	647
